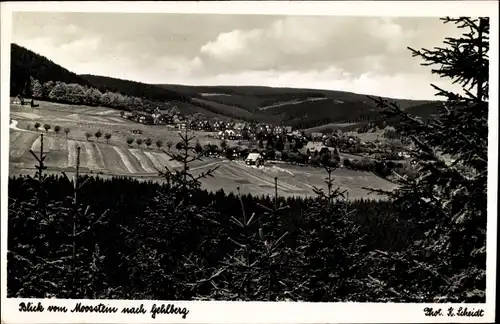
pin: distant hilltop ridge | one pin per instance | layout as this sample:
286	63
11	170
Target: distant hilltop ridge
300	108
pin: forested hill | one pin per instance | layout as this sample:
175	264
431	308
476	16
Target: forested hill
25	64
300	108
132	88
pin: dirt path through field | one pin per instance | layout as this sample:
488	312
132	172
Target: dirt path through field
13	125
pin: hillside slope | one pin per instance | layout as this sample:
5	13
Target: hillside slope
25	63
301	108
132	88
423	111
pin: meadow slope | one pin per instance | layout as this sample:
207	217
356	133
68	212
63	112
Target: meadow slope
116	158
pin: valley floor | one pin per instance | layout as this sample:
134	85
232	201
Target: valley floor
116	158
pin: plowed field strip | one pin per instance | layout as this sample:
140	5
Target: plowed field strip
20	143
92	162
98	156
143	160
112	160
72	152
157	162
125	159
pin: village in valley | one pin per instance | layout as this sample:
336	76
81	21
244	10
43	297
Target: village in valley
273	142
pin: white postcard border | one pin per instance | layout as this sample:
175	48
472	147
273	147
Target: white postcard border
258	312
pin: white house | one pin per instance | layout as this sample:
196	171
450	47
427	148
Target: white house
316	147
254	159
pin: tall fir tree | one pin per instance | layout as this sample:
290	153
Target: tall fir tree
448	198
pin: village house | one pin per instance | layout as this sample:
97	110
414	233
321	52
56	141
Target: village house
313	148
239	126
192	124
229	125
145	119
278	130
216	126
254	159
128	114
263	128
202	125
227	134
161	116
207	127
176	119
316	136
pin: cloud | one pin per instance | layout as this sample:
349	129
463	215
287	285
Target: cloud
298	42
345	53
231	44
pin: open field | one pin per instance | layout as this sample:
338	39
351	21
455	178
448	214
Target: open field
116	158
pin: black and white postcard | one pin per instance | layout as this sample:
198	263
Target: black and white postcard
249	162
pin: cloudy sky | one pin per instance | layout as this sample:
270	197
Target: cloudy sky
358	54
